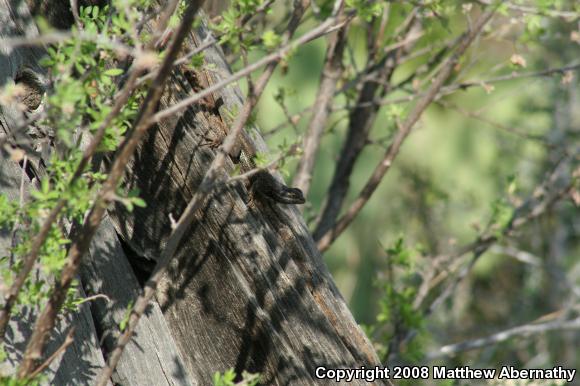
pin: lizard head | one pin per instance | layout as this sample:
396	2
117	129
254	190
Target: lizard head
290	196
264	184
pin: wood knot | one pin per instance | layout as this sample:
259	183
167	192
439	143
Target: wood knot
286	234
32	88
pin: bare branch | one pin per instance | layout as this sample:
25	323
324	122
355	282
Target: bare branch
326	239
570	15
480	117
481	83
183	60
68	340
526	330
321	108
74	7
326	27
94	297
518	254
57	37
361	120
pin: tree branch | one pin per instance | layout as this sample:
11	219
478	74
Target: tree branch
330	74
328	26
68	340
361	120
477	83
326	239
526	330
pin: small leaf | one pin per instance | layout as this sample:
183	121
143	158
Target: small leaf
138	201
271	39
126	317
197	60
113	72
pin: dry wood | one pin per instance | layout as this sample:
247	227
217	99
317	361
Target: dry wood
159	362
249	290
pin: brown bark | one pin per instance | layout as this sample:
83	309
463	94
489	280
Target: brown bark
330	74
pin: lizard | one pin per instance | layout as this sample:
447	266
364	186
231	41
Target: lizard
262	184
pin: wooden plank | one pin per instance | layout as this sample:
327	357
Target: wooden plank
248	288
151	357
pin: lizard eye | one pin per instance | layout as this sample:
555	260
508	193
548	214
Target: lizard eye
297	193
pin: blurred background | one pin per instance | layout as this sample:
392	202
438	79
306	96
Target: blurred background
475	153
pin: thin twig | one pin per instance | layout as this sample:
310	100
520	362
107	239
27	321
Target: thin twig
94	297
526	330
570	15
381	169
518	254
271	166
74	7
315	33
480	117
465	85
183	60
68	340
330	74
58	37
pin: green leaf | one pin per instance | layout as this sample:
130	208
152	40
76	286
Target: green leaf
271	39
138	201
125	320
197	60
113	72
